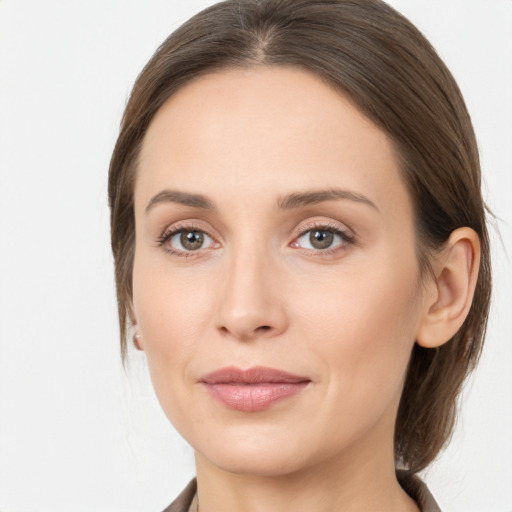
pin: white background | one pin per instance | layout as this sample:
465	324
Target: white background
77	433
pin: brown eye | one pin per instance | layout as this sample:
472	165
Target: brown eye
320	239
187	240
191	240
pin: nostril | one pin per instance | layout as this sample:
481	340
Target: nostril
247	332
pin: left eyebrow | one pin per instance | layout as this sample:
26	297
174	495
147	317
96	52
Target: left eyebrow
299	199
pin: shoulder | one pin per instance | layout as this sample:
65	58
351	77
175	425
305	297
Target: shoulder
186	501
418	491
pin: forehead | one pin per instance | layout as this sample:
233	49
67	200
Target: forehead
263	131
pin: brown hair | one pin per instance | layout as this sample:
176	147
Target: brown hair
383	63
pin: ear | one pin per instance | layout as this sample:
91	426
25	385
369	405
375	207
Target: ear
450	292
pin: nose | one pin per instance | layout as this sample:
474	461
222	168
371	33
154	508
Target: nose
251	303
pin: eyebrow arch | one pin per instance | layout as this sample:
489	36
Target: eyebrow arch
184	198
298	199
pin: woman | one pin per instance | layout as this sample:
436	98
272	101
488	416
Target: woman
301	251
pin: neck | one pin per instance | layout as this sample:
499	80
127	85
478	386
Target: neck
347	485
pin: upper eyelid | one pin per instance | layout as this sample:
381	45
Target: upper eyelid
327	225
320	227
188	226
195	226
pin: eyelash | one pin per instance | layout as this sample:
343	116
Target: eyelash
347	239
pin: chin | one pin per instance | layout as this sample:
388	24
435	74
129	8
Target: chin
255	455
265	463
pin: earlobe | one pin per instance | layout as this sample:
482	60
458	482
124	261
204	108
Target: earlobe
137	341
451	291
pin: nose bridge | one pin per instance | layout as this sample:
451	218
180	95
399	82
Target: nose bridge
250	305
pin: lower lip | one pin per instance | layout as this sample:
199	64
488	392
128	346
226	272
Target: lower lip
254	397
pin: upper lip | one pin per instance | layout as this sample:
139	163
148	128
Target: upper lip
254	375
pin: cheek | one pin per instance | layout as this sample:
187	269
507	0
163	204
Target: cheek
170	324
372	302
166	302
171	312
363	329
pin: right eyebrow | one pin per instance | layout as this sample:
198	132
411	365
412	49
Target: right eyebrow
184	198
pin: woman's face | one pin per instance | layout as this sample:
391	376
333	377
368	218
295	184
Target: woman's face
274	234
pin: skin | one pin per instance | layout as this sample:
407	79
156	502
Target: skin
258	293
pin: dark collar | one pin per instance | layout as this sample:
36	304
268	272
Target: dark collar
418	491
411	484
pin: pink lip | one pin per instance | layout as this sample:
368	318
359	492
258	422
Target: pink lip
254	389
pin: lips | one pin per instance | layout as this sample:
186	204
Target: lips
252	390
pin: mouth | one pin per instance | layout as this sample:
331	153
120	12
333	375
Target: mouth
252	390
